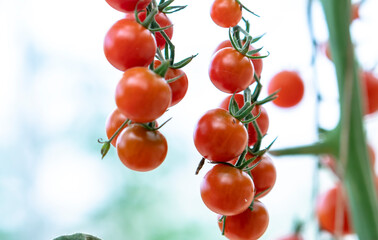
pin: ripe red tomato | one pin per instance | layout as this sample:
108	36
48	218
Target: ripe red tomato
113	122
219	136
257	63
128	44
163	21
141	149
230	71
291	88
128	5
142	95
326	207
179	87
247	225
355	7
227	190
264	174
370	92
262	120
226	13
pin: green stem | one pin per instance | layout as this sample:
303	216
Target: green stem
317	148
358	177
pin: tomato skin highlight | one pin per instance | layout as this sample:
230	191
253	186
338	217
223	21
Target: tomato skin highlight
113	122
262	120
140	149
226	13
128	44
230	71
142	95
326	208
227	190
291	88
219	136
248	225
179	87
128	5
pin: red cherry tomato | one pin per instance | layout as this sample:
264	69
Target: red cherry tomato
355	8
291	88
247	225
113	122
257	63
264	174
142	95
219	136
227	190
230	71
128	44
226	13
262	120
179	87
141	149
163	21
370	90
128	5
326	207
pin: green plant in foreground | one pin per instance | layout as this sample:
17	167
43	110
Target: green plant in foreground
347	141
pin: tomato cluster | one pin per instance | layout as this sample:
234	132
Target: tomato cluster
151	81
230	136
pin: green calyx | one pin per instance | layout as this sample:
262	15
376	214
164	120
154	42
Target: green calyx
162	69
165	8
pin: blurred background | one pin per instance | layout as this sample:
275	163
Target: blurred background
57	88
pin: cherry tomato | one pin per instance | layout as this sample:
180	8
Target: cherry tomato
370	88
227	190
326	207
113	122
141	149
128	5
248	225
257	63
355	7
142	95
219	136
179	86
262	120
230	71
226	13
128	44
264	174
162	20
291	88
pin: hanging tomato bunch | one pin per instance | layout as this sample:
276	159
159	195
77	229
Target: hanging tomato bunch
151	83
231	135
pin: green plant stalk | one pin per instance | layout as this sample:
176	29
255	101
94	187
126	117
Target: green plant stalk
358	176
